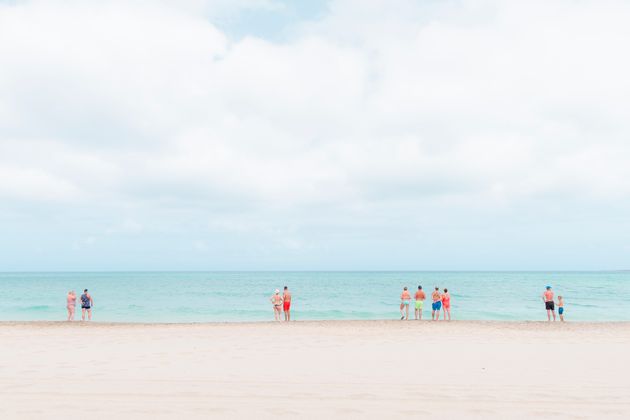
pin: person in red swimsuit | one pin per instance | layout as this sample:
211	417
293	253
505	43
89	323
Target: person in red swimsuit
446	304
286	297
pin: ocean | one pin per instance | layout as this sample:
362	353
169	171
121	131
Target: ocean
244	296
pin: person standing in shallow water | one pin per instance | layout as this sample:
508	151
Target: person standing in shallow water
436	305
86	305
420	297
547	297
286	299
276	301
446	304
405	299
71	304
561	308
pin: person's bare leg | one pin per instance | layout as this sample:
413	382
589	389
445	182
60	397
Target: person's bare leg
554	315
68	314
548	315
561	317
415	314
289	315
89	314
82	314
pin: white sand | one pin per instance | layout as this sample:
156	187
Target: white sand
362	369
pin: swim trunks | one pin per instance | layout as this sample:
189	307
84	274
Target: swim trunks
85	307
287	305
549	305
436	305
561	310
405	302
419	304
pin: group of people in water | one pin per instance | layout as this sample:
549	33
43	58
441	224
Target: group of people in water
550	305
86	305
439	301
281	303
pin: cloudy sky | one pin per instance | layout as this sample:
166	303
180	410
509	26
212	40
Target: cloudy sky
344	134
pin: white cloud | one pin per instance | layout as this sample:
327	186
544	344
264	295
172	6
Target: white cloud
371	121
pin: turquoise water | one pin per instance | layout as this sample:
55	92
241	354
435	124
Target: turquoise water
244	296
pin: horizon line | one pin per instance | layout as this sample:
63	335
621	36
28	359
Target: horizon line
319	271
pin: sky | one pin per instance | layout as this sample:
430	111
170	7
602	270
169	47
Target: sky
333	135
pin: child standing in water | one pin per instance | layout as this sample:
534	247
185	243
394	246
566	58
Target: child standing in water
561	308
405	298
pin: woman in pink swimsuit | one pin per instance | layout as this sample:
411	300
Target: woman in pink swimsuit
446	304
72	303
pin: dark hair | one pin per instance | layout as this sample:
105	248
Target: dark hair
437	288
286	287
445	290
405	288
419	287
85	290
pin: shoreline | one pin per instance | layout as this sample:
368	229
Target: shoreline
330	322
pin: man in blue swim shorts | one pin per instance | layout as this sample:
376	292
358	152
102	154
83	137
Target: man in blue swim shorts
436	305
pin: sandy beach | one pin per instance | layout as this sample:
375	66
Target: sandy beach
333	369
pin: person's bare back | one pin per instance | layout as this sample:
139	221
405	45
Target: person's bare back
286	305
436	296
